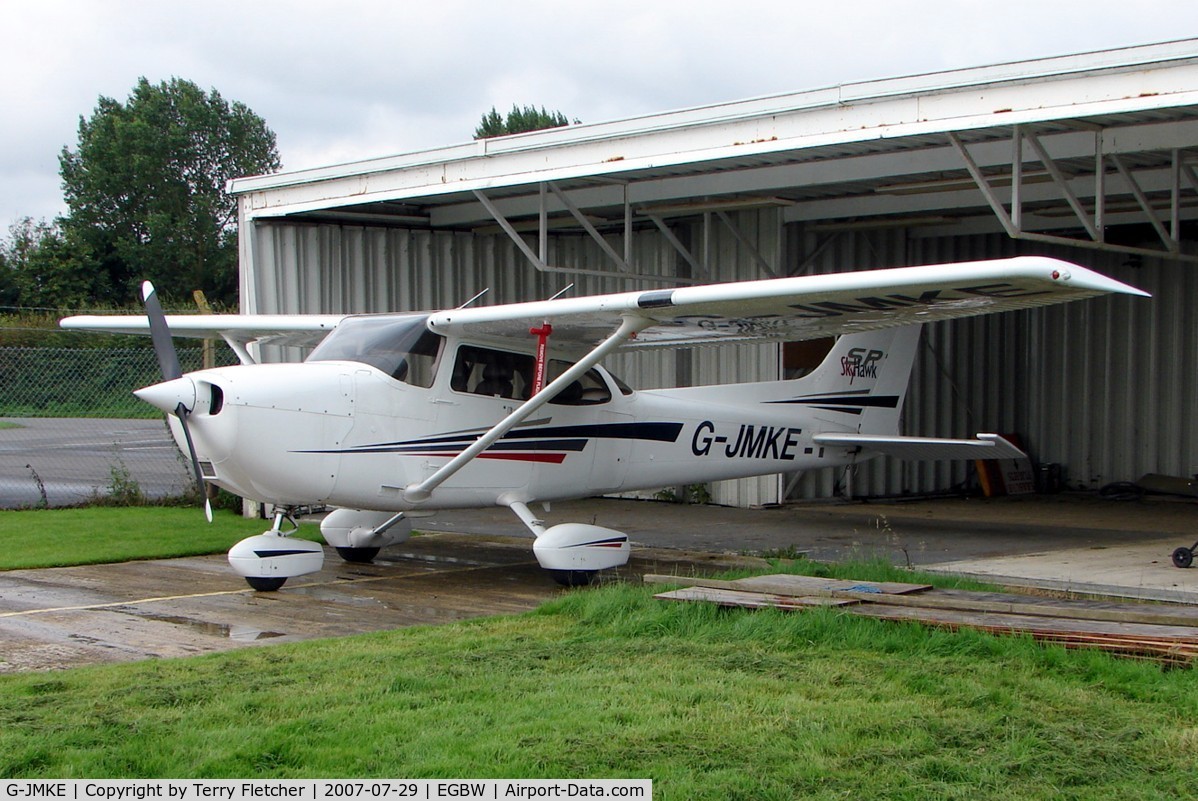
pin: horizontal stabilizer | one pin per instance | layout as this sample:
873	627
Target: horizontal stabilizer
986	446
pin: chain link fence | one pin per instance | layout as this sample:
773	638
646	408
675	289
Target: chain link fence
71	431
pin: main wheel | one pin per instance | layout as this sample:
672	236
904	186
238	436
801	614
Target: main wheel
1183	557
574	578
265	584
358	555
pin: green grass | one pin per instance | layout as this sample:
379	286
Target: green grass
609	683
60	537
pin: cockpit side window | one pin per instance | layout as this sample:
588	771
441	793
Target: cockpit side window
499	374
496	373
588	390
402	347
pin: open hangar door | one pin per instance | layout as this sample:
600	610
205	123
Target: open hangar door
1091	158
1099	388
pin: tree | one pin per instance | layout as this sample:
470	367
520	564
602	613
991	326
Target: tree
519	120
43	269
9	293
145	189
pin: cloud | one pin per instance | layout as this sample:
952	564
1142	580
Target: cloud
372	77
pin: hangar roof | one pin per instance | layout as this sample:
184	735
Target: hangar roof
1103	138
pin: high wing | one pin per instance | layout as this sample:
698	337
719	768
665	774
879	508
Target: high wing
805	307
236	329
780	309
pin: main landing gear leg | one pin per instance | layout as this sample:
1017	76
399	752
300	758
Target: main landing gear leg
574	553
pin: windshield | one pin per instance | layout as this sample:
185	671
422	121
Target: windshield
399	345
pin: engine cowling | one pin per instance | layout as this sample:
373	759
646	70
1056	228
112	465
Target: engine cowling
271	556
580	546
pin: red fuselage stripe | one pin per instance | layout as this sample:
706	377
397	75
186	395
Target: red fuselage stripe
543	458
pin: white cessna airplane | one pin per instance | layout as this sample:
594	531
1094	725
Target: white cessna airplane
398	415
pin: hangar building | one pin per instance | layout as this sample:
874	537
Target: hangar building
1089	158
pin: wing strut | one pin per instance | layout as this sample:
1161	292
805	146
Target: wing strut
629	327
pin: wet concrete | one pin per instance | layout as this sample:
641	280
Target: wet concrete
479	562
65	617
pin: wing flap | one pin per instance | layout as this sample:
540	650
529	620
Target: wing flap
986	446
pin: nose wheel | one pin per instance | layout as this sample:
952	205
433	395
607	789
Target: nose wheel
360	556
265	584
574	578
269	559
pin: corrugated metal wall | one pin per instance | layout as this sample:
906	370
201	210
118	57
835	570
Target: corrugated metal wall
1103	387
341	268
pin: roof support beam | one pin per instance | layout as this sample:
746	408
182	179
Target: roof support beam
759	180
1014	221
513	235
540	264
1059	179
765	266
975	172
586	224
1171	244
678	246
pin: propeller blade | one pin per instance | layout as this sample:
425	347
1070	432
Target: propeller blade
182	413
160	334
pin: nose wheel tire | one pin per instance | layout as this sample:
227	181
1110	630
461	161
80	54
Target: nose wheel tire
265	584
1183	557
358	555
574	578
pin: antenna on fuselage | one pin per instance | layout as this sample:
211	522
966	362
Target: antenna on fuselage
476	297
563	291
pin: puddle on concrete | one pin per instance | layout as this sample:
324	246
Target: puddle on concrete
238	633
435	559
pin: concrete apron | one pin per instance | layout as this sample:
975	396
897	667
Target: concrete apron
1141	570
115	613
71	616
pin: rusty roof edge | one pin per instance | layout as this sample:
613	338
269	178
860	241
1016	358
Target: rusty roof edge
1113	61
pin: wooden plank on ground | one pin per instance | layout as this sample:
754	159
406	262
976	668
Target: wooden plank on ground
1159	631
922	595
787	584
784	584
1077	608
1030	623
750	600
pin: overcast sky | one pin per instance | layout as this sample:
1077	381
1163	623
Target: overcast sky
346	80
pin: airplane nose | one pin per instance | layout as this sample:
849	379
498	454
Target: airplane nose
169	394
